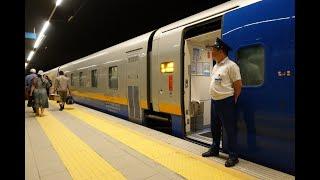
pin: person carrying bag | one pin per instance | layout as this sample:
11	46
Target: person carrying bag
69	99
62	88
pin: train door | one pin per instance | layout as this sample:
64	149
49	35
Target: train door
263	47
198	63
133	69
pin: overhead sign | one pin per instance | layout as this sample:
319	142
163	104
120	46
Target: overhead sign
29	35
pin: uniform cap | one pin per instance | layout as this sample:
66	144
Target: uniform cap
219	44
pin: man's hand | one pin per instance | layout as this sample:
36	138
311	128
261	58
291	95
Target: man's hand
237	85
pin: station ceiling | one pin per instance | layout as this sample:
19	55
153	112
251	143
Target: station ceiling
82	27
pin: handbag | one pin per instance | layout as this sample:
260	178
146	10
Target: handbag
69	100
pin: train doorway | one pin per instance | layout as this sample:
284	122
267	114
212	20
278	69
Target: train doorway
198	63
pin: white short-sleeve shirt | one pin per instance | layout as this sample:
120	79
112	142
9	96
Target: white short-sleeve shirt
61	83
223	75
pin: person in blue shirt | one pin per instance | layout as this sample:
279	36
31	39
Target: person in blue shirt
28	84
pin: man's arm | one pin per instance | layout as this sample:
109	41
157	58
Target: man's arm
32	86
55	85
237	85
26	81
68	88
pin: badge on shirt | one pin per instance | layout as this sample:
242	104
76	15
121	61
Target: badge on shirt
218	79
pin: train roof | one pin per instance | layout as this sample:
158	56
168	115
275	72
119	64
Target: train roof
108	50
214	11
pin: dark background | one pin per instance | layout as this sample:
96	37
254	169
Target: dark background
21	16
97	24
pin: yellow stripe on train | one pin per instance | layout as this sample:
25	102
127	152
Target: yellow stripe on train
112	99
163	107
170	108
101	97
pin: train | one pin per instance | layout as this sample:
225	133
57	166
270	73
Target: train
165	75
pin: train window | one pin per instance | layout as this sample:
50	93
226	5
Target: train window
113	77
80	79
251	64
72	81
94	80
167	67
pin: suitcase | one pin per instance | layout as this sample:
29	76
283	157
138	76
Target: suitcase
54	97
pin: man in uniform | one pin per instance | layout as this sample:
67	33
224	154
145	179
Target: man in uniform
225	89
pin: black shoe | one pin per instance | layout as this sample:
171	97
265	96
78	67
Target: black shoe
61	108
211	152
231	162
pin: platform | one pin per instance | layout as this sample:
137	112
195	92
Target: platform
82	143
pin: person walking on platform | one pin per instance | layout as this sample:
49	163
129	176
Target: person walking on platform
39	92
62	87
50	84
28	84
225	89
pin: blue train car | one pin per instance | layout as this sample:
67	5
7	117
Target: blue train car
266	117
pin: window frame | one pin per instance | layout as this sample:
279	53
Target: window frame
109	77
81	79
264	64
71	79
96	78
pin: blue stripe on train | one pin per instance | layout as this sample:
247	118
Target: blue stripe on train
118	110
177	126
121	111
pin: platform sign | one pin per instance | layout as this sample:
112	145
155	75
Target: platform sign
29	35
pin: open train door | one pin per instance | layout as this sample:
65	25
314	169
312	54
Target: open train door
198	62
261	36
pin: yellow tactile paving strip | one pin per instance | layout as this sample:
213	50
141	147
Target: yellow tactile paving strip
81	161
180	161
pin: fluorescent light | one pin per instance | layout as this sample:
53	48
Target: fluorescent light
30	55
25	65
40	37
45	27
38	42
58	2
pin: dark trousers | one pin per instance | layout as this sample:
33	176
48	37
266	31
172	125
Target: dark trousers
223	114
30	99
31	103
